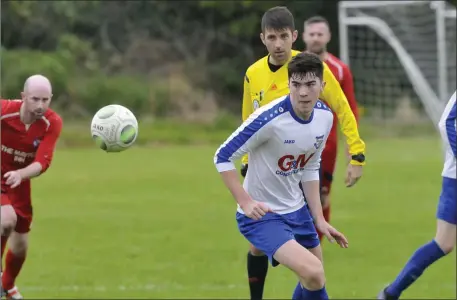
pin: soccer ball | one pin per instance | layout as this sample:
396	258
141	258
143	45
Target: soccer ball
114	128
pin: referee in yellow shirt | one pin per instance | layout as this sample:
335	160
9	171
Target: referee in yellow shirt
266	80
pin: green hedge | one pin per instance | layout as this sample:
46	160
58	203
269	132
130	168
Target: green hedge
20	64
80	89
77	86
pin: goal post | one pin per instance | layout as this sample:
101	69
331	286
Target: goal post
400	51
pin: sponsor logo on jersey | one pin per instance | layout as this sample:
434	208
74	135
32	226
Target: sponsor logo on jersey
289	164
18	156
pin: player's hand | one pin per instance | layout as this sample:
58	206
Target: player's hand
353	174
244	170
13	179
255	210
332	234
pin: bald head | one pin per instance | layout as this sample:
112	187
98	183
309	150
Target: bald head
36	96
37	82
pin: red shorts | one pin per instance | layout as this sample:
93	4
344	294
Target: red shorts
20	199
328	161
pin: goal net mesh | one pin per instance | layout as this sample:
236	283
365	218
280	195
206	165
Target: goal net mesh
382	85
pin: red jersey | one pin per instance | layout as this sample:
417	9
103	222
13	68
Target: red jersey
343	74
23	145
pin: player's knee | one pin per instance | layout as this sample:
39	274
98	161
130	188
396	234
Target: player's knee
18	243
255	252
8	220
312	274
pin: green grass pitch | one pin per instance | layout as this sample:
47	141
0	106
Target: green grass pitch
157	222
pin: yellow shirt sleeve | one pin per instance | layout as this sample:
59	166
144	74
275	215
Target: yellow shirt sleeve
335	98
247	108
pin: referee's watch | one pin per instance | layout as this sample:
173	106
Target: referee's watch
358	157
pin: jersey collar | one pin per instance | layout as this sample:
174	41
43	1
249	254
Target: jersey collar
294	115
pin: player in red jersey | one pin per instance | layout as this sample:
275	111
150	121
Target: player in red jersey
29	133
316	36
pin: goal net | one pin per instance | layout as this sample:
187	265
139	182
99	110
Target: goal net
402	55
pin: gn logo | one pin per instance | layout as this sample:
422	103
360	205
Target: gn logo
289	142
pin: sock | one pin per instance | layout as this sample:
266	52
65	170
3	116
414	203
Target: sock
13	265
297	292
314	295
257	272
421	259
326	213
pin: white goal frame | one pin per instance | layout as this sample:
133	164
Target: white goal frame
433	104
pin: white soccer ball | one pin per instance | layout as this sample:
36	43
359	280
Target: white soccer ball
114	128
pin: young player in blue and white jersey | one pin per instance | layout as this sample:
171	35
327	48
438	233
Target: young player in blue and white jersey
445	237
284	140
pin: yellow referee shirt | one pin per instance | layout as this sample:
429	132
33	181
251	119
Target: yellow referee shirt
262	86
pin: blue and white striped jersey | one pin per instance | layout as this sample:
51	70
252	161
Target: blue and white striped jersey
448	132
283	150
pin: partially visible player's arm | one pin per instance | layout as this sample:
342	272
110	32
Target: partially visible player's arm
348	89
32	170
247	138
310	181
448	124
334	96
45	151
246	111
347	85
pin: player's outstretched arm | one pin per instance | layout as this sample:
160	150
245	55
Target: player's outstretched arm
43	156
252	209
311	184
311	188
348	89
334	96
47	146
247	138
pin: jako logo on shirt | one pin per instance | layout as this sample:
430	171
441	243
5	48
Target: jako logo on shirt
289	164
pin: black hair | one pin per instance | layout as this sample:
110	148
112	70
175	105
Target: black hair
305	63
278	18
